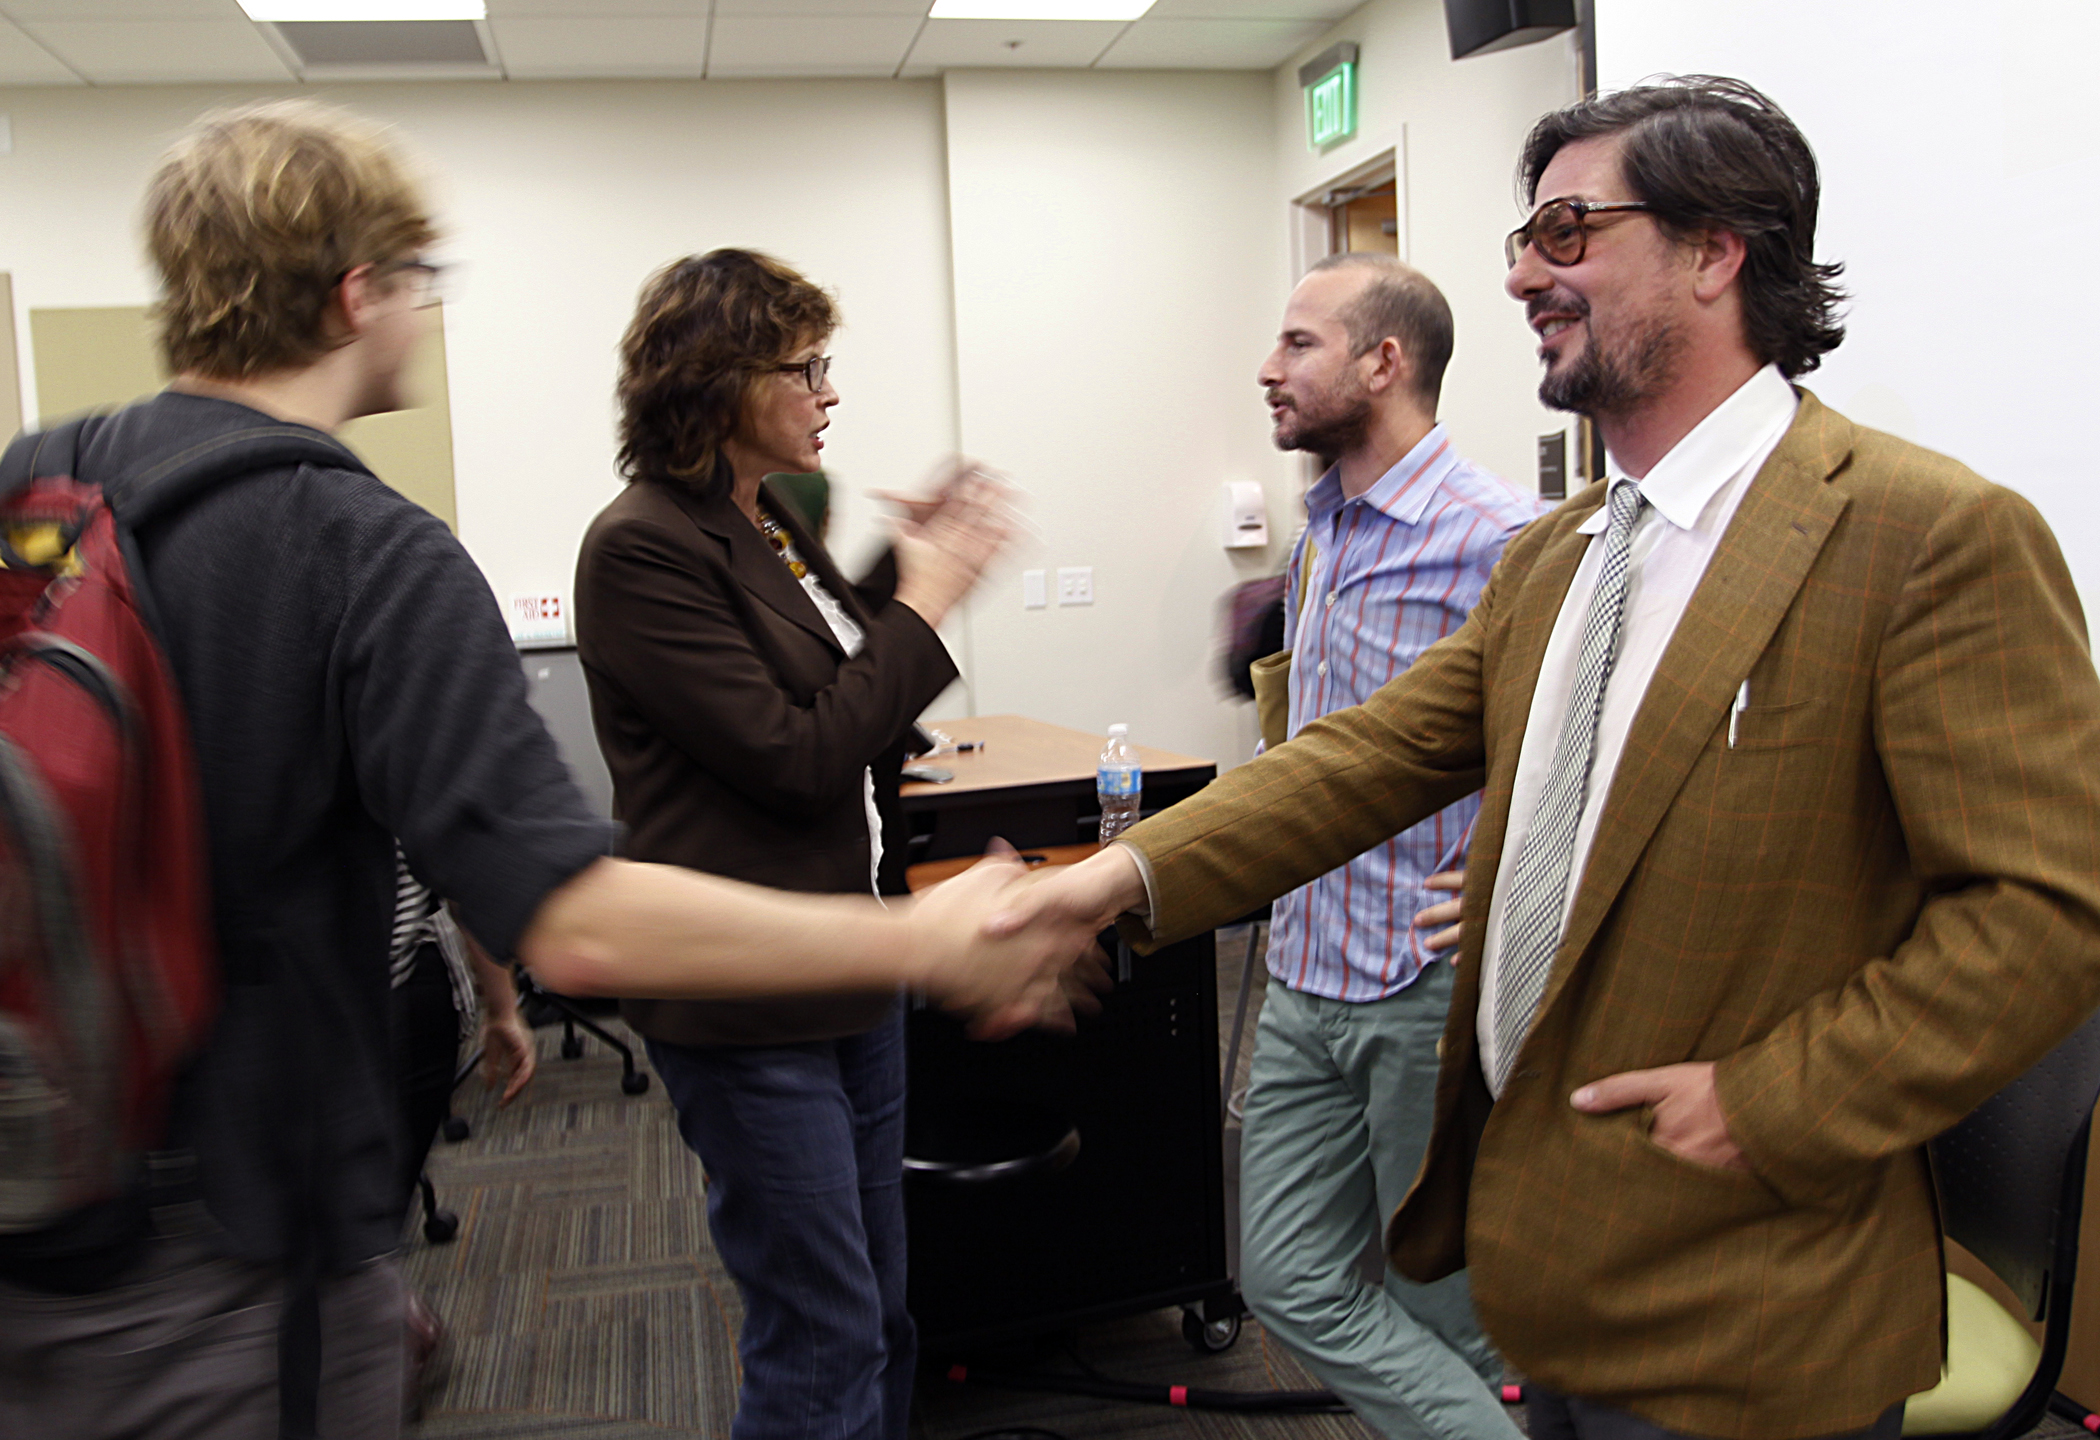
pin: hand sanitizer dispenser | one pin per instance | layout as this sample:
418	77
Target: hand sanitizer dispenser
1246	515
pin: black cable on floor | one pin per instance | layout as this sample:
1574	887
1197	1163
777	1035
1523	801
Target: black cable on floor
1239	1402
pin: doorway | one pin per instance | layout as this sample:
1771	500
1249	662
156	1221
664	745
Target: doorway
1361	209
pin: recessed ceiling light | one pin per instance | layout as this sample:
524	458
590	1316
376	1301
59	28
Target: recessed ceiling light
1039	9
294	11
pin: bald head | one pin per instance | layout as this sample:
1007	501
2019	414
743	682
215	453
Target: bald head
1395	300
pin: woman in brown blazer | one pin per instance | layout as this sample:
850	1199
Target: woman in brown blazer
753	706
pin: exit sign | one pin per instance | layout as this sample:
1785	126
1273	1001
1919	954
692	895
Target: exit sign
1329	82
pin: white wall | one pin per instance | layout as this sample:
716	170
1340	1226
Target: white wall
558	200
1961	188
1071	274
1462	122
1116	280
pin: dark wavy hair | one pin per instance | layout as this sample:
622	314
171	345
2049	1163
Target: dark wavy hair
705	329
1707	152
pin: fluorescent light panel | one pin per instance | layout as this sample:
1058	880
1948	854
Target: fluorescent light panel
1039	9
301	10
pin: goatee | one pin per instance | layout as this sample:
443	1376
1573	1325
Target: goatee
1596	384
1329	435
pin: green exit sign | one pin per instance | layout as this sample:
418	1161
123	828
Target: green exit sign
1330	96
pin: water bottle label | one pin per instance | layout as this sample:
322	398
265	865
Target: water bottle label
1118	780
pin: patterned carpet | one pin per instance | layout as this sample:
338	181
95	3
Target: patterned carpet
584	1298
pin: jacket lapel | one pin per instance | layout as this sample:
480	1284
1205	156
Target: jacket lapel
1758	568
816	557
754	563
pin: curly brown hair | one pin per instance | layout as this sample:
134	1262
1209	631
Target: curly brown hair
254	217
704	331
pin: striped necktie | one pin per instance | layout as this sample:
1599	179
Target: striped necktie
1538	888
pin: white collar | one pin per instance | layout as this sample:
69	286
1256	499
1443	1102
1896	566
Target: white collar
1697	467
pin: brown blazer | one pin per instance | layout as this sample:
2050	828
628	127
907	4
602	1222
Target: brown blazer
1873	911
735	727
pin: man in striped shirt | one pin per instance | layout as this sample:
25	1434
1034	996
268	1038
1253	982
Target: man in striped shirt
1402	533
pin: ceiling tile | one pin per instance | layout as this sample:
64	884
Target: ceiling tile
117	52
1209	44
1329	10
959	43
593	9
124	10
607	47
24	62
782	9
749	45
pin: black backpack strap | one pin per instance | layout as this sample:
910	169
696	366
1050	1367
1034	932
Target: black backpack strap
37	453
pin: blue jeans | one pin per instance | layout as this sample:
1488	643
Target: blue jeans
804	1151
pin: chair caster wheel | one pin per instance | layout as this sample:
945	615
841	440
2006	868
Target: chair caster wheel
1212	1337
571	1046
440	1227
457	1129
634	1082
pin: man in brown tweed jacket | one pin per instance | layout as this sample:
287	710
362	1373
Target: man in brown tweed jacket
1789	852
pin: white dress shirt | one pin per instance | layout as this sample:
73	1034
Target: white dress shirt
1692	494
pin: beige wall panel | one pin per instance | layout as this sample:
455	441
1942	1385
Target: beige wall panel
10	375
104	355
90	357
412	449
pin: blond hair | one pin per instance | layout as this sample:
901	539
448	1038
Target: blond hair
253	219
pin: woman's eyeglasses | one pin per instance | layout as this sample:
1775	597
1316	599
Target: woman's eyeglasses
813	371
1561	229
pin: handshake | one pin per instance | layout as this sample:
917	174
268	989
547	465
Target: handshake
1011	949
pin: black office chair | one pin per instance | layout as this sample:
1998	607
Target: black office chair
2011	1181
441	1226
538	1002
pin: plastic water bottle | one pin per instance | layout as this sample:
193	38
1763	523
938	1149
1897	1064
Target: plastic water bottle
1119	783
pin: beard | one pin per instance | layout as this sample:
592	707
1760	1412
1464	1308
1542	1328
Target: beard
1603	380
1336	422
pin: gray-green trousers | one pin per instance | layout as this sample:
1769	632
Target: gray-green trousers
1338	1114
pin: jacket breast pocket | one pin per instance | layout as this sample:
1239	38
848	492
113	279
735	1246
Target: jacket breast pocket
1779	727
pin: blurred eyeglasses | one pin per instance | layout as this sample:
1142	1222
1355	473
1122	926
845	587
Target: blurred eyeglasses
1560	229
425	281
813	371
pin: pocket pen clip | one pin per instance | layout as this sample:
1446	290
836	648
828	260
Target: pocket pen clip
1735	713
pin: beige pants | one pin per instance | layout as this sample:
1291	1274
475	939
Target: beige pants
186	1349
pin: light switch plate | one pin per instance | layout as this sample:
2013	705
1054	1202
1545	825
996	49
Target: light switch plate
1075	584
1033	590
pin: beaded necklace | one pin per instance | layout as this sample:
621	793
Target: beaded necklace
781	542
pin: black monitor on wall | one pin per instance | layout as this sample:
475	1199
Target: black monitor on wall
555	678
1480	27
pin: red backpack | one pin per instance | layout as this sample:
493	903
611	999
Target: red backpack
108	969
108	973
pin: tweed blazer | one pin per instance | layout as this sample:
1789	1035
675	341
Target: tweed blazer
1875	908
735	727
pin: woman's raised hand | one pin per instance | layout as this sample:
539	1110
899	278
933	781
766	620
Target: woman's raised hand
944	543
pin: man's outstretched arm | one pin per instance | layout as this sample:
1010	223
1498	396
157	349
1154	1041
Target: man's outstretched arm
659	931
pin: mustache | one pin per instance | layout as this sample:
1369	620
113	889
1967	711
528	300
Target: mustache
1556	302
1277	397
